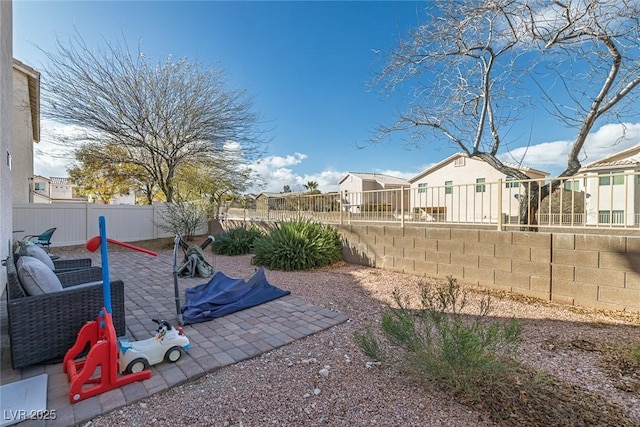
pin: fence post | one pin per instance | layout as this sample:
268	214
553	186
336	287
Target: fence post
86	222
341	207
500	216
401	206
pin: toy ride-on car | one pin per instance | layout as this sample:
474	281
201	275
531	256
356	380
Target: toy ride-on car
166	345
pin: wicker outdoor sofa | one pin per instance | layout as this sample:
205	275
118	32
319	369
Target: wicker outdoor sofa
43	327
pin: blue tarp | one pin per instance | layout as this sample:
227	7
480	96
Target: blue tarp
224	295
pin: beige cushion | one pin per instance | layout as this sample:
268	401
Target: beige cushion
36	278
39	253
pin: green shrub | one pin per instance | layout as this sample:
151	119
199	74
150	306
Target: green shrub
237	241
440	342
298	245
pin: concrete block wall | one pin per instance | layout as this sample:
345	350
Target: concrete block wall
596	271
592	271
511	261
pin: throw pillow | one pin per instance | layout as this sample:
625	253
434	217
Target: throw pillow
39	253
36	278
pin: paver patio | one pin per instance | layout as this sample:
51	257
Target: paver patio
149	294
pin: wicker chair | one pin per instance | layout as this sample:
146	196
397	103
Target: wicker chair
21	248
62	265
43	327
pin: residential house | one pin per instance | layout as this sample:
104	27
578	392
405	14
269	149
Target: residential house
274	201
25	130
612	185
54	190
6	125
361	192
462	188
61	190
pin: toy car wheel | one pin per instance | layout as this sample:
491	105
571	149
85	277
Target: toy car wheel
173	355
137	365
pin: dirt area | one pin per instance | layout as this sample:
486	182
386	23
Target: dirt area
580	367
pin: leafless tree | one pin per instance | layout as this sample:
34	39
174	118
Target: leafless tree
473	65
162	114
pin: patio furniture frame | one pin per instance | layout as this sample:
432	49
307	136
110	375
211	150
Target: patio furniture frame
43	327
43	239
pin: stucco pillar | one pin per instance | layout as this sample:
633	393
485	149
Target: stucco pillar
6	108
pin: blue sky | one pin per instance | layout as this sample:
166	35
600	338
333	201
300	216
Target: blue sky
306	64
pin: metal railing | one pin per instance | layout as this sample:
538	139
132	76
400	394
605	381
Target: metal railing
585	201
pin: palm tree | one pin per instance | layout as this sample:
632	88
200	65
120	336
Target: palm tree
311	186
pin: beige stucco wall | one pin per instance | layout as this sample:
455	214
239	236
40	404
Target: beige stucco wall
6	112
61	191
22	138
353	197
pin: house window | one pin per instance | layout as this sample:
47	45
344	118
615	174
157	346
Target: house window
611	217
422	187
39	186
459	161
606	179
510	183
448	187
571	185
480	188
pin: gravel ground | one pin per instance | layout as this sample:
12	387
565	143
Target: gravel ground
325	379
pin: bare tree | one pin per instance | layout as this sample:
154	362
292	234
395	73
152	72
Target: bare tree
162	114
473	65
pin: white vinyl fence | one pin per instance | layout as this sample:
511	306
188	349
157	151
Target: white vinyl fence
76	223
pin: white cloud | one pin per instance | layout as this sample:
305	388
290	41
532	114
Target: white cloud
50	158
327	180
552	156
281	162
277	171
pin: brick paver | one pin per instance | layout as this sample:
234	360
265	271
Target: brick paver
217	343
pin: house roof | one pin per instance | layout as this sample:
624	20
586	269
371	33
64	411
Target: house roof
33	79
452	157
290	193
622	159
380	178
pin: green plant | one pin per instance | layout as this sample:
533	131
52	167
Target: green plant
623	361
368	343
298	245
441	342
237	241
634	354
